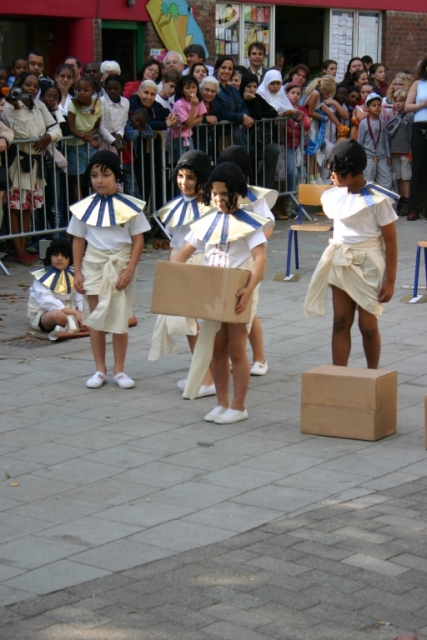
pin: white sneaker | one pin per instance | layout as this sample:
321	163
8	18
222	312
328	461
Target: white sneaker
231	415
206	390
181	384
259	369
214	413
96	381
124	381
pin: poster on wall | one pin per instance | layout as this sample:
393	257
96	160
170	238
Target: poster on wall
227	30
342	24
367	41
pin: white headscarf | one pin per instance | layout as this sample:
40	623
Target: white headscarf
280	100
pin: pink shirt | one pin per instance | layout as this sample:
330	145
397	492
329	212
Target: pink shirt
182	110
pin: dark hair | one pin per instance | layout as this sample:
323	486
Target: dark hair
367	60
247	78
356	75
199	163
34	52
375	68
231	175
59	245
149	63
92	62
371	84
239	156
221	59
89	80
183	82
239	68
347	157
46	87
347	73
106	160
142	112
173	75
257	45
198	64
343	85
326	63
197	49
65	66
15	60
78	63
296	68
114	78
353	89
421	70
19	80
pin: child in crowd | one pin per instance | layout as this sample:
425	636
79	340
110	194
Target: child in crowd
329	68
373	137
399	128
18	66
377	75
230	237
108	240
84	120
136	127
115	110
315	95
360	111
353	98
53	304
190	108
191	174
360	262
294	157
168	87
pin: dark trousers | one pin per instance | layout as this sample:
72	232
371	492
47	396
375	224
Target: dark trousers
418	199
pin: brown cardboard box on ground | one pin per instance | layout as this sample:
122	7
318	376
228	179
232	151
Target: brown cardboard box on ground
346	402
195	291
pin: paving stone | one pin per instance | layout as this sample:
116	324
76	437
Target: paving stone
374	564
228	631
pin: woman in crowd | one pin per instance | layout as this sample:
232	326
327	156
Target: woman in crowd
199	71
64	78
150	70
204	137
28	118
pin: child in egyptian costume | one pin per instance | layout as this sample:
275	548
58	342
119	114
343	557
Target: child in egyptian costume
54	305
191	173
360	261
230	237
108	240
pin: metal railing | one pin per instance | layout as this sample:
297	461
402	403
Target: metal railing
44	212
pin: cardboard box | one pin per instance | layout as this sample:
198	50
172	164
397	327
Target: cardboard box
195	291
345	402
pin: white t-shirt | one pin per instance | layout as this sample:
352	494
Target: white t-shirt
109	238
364	224
232	255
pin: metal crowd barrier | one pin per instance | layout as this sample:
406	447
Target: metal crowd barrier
148	176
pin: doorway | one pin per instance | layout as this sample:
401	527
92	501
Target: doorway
300	36
122	41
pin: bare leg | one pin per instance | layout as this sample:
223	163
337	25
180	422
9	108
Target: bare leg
344	308
208	379
368	325
120	344
237	337
20	243
97	340
52	318
256	341
220	366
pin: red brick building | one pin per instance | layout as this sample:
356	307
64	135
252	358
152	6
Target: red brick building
304	31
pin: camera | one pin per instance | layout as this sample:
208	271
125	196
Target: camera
16	93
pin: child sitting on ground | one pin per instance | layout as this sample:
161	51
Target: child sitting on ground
233	238
53	304
112	225
360	262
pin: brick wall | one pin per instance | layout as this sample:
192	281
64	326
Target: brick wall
404	40
205	15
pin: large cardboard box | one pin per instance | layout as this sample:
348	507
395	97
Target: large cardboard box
195	291
345	402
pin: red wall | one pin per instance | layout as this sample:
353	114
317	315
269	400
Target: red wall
104	9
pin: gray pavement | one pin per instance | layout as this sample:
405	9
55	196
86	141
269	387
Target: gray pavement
125	516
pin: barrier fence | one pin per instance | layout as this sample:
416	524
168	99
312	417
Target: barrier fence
148	168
